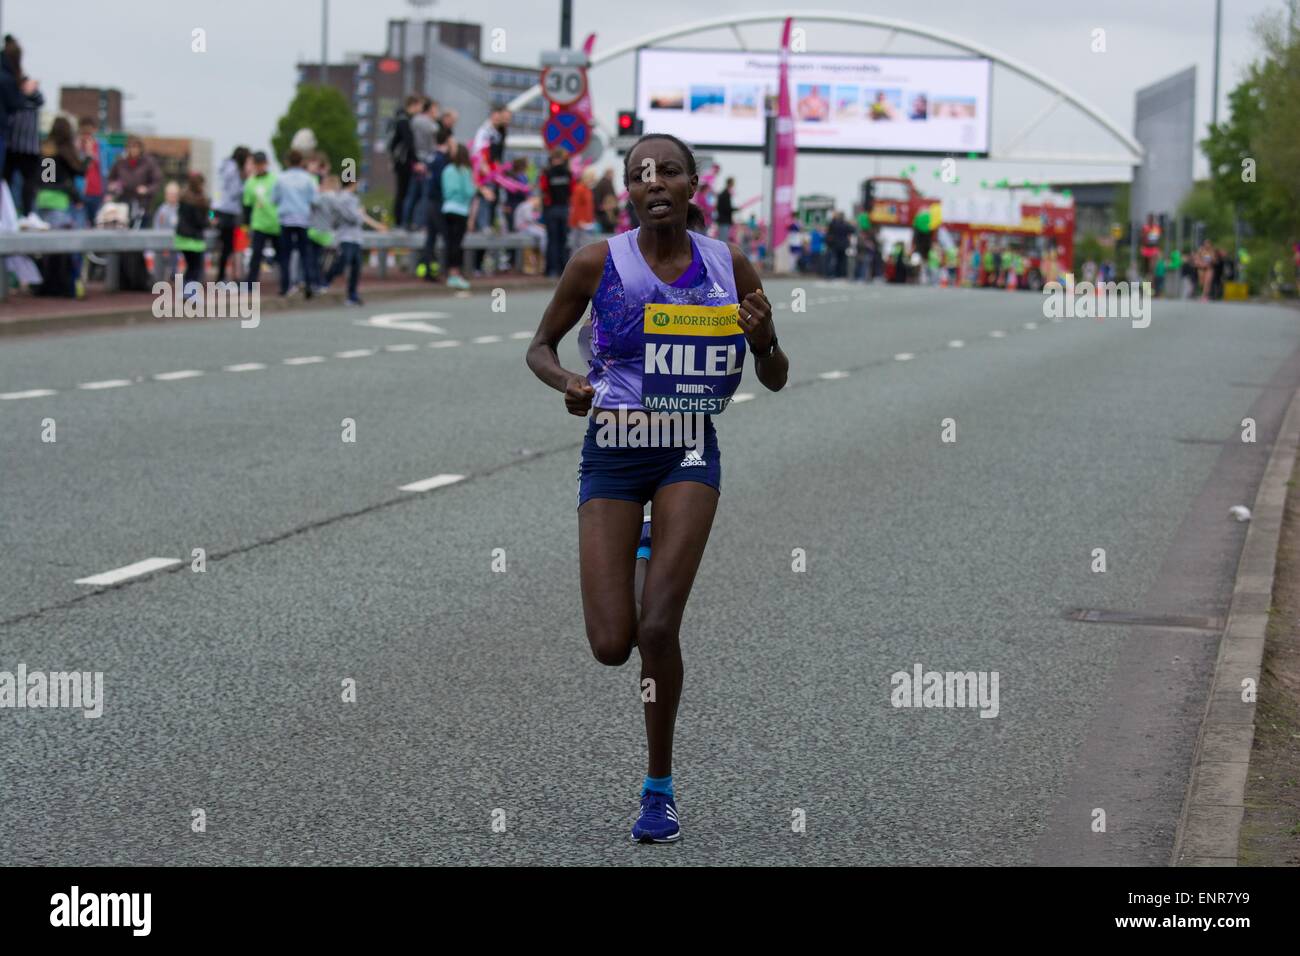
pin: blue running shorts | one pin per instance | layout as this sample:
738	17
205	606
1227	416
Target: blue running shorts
635	474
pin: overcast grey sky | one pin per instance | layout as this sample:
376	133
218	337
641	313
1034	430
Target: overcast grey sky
237	90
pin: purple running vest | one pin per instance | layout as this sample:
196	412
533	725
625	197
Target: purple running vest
706	367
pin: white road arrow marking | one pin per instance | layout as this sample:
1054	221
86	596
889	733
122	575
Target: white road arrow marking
407	322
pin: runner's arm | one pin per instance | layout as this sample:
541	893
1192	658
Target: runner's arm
756	321
577	286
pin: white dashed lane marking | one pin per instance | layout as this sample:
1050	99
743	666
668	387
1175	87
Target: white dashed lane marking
107	383
427	484
177	376
147	566
489	339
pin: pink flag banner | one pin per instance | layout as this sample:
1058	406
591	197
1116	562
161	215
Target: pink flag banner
783	174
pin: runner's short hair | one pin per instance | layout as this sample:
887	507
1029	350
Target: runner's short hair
687	153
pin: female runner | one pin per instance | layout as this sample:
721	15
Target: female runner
672	315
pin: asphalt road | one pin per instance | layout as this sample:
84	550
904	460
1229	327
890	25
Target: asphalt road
477	697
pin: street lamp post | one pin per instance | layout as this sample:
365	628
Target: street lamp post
324	38
1218	23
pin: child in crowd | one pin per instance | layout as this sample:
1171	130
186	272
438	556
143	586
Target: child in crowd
320	227
191	225
349	218
528	220
292	194
263	218
166	217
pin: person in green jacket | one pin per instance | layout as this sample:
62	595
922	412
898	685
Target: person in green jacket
264	220
457	191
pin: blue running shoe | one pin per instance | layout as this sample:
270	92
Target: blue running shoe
643	546
657	821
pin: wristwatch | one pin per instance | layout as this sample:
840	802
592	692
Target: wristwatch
770	349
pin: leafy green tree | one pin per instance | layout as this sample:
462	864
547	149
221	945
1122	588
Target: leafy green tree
1087	248
1203	204
325	111
1255	154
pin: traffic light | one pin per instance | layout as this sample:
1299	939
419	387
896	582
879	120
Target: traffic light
628	124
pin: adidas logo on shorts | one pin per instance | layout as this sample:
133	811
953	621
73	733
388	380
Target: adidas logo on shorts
692	460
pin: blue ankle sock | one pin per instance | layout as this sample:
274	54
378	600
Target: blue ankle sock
659	784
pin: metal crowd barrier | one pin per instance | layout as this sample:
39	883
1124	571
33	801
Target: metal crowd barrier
113	242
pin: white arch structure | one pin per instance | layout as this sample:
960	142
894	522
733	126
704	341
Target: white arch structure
1132	152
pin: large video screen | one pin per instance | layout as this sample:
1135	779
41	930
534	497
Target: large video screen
900	104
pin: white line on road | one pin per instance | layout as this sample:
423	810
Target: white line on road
445	344
904	357
147	566
486	339
106	383
405	347
1030	326
997	334
829	376
304	360
521	335
956	344
742	397
30	393
437	481
176	376
354	353
245	367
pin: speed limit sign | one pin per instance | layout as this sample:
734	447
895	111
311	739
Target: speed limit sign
564	85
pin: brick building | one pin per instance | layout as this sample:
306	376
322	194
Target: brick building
105	105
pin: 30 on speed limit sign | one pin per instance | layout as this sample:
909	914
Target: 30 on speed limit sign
564	85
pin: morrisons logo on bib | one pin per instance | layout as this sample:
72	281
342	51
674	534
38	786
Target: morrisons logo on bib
692	320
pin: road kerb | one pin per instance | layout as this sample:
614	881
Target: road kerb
1209	827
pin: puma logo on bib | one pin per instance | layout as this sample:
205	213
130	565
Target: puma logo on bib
694	356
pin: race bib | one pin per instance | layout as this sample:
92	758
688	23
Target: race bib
694	356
